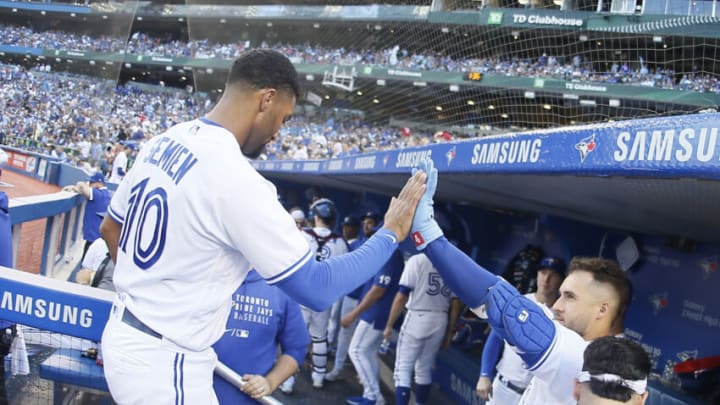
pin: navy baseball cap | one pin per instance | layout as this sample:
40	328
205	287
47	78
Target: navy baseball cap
351	221
372	214
96	178
553	263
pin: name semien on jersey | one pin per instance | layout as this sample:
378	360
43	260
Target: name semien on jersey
172	157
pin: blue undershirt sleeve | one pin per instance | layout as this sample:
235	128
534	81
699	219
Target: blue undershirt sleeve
404	289
491	354
317	285
468	280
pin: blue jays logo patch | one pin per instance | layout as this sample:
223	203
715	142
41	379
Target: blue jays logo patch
586	146
659	302
450	155
709	265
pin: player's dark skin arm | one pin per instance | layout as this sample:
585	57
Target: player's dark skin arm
453	315
110	231
397	308
372	296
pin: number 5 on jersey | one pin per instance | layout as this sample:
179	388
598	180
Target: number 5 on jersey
146	224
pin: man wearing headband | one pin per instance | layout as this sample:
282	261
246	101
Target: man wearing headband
615	371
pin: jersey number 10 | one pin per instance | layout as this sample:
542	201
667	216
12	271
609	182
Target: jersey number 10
140	205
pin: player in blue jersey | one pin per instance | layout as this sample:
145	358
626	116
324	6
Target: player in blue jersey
98	197
7	329
373	311
261	319
592	304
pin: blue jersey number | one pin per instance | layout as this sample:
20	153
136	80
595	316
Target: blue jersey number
437	285
140	208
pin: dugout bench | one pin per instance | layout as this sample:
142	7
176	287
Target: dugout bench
71	373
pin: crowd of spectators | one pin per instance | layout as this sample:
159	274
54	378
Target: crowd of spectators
81	120
566	67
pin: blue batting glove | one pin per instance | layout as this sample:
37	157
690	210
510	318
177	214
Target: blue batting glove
424	227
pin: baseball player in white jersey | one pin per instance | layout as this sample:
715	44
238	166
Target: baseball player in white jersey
326	244
189	221
592	304
424	329
119	166
507	385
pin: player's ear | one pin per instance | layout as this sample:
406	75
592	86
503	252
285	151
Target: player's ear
604	310
268	96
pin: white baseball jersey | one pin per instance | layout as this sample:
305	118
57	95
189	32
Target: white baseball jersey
120	162
196	218
429	290
333	247
554	375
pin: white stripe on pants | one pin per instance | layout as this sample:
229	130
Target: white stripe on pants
364	355
345	334
418	349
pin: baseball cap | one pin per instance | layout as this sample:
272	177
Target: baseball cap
96	178
372	214
351	221
553	263
324	208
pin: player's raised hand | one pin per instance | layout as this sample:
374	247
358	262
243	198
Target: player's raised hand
424	228
399	216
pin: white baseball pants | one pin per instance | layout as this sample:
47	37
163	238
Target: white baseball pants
364	355
142	369
420	338
345	334
317	323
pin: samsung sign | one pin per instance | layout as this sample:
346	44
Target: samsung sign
546	20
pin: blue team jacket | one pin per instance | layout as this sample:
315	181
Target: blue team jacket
262	317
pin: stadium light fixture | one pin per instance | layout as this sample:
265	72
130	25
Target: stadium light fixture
223	21
378	27
310	78
444	30
504	115
43	12
269	24
530	94
180	19
471	102
73	15
381	82
376	101
657	38
583	37
316	25
491	107
359	93
104	17
438	108
572	122
14	10
454	88
547	106
139	18
613	102
327	97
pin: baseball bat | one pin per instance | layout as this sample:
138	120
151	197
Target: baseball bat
236	379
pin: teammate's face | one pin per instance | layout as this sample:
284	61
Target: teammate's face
548	282
276	108
368	225
578	305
